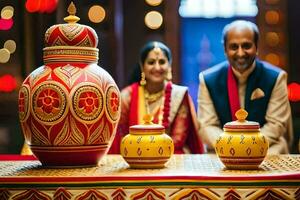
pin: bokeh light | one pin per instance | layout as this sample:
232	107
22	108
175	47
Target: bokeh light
4	55
7	12
6	24
96	14
153	2
48	6
33	5
272	39
153	20
10	45
273	58
8	83
294	92
41	6
272	17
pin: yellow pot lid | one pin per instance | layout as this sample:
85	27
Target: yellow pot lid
148	127
241	124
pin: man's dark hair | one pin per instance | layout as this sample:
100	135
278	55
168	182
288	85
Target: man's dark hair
240	23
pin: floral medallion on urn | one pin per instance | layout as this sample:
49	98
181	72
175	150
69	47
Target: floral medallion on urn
69	108
241	146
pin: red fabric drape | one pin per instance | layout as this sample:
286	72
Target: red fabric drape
233	93
133	114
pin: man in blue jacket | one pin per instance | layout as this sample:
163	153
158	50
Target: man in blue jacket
243	81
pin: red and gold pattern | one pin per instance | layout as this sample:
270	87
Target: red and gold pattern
69	108
49	102
119	194
92	194
23	103
147	194
168	194
61	193
87	102
71	35
32	194
113	103
186	177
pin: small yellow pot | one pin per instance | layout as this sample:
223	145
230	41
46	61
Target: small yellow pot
241	146
147	145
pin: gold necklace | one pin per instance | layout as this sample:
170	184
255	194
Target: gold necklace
155	108
154	96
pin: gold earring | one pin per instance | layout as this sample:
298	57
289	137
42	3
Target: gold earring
143	79
169	75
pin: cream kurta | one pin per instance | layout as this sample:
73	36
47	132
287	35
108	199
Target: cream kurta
278	126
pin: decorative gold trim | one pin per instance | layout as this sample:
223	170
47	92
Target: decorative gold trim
71	47
70	60
84	54
70	52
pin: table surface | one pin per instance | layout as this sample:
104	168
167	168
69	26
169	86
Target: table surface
205	169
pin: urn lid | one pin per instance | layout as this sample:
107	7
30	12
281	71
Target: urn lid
71	41
71	33
241	124
148	127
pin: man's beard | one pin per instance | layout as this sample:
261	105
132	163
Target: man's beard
243	66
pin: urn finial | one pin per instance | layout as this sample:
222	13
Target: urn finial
241	115
72	18
147	119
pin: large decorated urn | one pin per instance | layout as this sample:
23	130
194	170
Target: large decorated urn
147	145
69	107
242	146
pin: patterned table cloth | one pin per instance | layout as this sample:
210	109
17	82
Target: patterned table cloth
184	177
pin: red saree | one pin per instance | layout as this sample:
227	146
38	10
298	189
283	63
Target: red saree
182	123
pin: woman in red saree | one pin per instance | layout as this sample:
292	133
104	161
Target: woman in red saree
168	103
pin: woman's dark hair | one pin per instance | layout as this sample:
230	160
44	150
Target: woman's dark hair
240	23
150	46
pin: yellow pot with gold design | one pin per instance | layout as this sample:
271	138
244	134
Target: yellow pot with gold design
147	145
241	146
